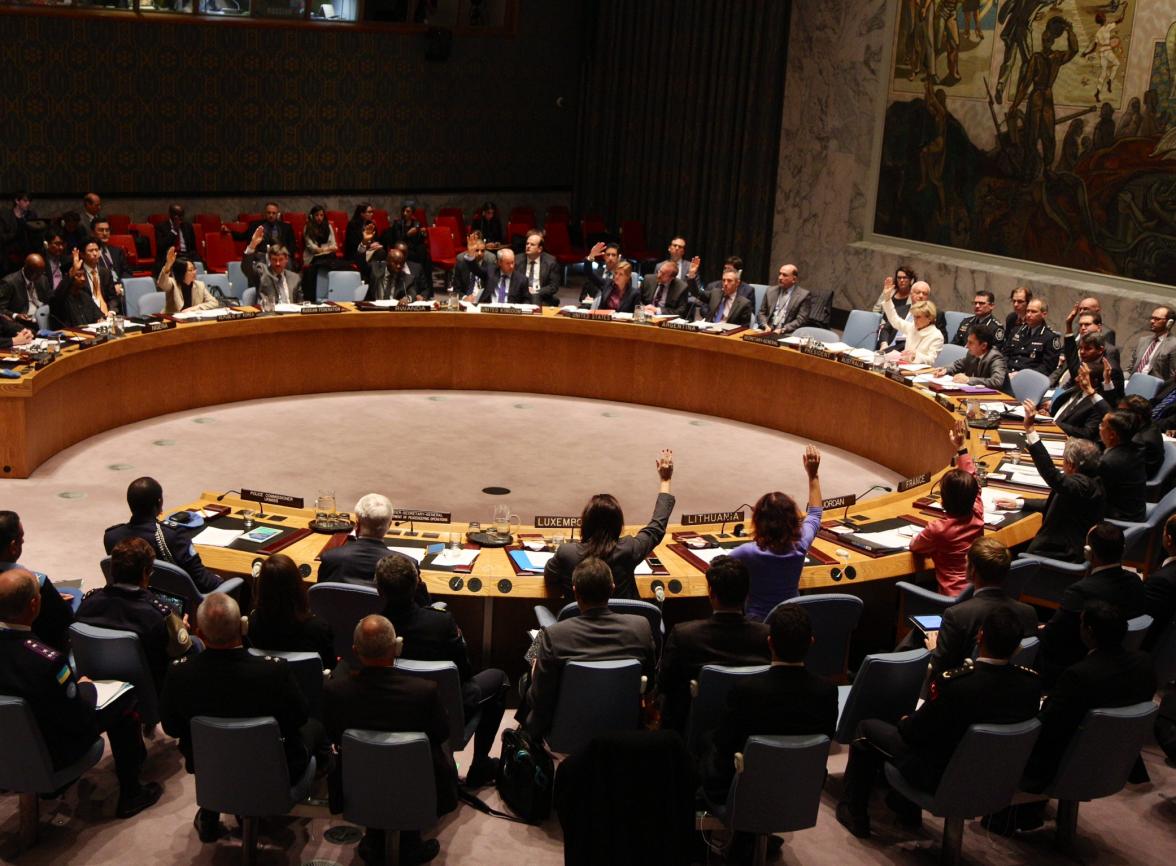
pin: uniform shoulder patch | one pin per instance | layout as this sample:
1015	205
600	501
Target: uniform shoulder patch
92	592
160	606
999	333
962	671
1026	670
1057	341
43	650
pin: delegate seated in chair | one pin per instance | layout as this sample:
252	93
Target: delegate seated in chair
65	707
56	616
356	560
921	744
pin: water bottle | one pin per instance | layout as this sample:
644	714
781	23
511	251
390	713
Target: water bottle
453	304
639	314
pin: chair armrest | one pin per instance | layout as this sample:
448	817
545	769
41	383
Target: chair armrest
544	616
925	595
230	586
1075	568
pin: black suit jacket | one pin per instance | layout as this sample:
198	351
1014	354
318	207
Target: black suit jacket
788	701
1124	479
183	554
1166	420
1080	415
517	290
961	622
1159	599
722	639
1098	680
1150	443
284	230
383	699
430	636
381	283
14	296
675	297
165	239
1061	642
600	287
1076	502
739	314
356	561
549	274
118	259
70	310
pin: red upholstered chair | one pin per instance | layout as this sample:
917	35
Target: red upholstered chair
250	218
592	229
519	229
557	242
155	219
557	213
338	221
210	221
219	250
442	250
126	243
523	215
455	227
633	243
120	223
452	212
145	230
419	215
380	218
198	231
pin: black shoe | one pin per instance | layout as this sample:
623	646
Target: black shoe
209	827
422	853
1002	823
133	804
910	816
858	825
482	773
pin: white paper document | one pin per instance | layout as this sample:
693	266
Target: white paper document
1027	477
537	559
201	314
287	308
989	497
210	536
414	553
898	538
643	567
110	690
708	554
1054	447
450	558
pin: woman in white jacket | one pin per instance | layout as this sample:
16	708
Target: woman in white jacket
923	339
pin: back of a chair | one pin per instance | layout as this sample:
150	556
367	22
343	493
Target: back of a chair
110	654
119	222
822	334
1019	572
237	281
631	607
706	709
1136	631
886	687
240	766
1102	752
633	237
456	229
949	354
834	617
24	759
595	698
1144	385
985	769
821	309
219	250
343	605
135	288
388	780
448	681
307	668
249	297
219	281
175	581
861	329
341	285
1164	654
1026	654
779	790
952	320
441	244
761	290
914	600
152	303
1030	385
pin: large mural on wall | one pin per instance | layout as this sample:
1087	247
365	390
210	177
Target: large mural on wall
1042	130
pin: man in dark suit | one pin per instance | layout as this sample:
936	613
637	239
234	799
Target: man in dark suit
1086	323
13	332
982	304
22	291
227	681
175	232
725	304
786	305
56	615
502	283
65	707
1155	354
112	258
1159	590
145	498
377	697
1076	500
1122	470
100	280
701	294
466	282
276	232
726	638
393	279
270	272
791	700
600	280
419	277
665	293
597	634
433	635
988	566
541	270
1107	580
990	690
1079	409
356	560
91	211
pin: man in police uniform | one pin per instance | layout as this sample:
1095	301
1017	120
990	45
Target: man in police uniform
1034	345
52	624
983	365
145	498
982	304
65	707
127	604
987	691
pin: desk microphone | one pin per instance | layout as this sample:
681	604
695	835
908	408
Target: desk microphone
845	514
226	493
659	592
738	528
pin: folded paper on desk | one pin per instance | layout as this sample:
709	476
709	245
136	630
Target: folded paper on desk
449	558
201	314
416	554
643	567
110	691
1027	477
898	539
530	560
287	308
210	536
709	554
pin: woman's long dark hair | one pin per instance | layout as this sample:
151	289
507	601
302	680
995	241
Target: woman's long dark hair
320	234
281	594
600	525
777	523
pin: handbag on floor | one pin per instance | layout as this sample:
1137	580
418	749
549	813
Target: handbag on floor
526	776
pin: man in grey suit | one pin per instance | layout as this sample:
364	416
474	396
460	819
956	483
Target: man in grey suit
667	293
726	304
275	281
22	291
983	365
597	634
541	270
1155	353
786	305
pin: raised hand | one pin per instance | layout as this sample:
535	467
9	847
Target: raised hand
811	460
258	236
958	434
1030	414
695	264
597	250
665	464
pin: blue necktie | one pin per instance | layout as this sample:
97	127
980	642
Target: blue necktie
502	290
719	311
1164	404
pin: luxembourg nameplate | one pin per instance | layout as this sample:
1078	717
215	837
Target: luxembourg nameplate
712	517
555	521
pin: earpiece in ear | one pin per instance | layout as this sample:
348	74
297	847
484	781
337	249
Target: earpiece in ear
244	626
398	648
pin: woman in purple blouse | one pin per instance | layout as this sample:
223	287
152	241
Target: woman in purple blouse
781	543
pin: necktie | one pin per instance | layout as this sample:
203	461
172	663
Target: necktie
106	258
720	314
1163	405
534	278
399	290
781	306
1070	406
502	290
660	297
1145	361
96	291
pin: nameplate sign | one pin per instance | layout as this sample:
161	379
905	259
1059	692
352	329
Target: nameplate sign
898	377
908	483
43	360
839	502
315	309
945	402
678	326
850	361
150	326
555	521
272	498
416	515
408	308
237	315
89	344
817	351
762	339
712	517
502	311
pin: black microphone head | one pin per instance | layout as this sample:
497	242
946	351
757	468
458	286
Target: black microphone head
737	530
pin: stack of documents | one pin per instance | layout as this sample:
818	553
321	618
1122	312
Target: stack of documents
201	315
455	558
530	561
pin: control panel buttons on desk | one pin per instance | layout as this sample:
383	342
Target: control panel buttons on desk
456	583
505	586
474	584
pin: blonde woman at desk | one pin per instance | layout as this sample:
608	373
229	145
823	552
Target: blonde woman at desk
923	339
182	291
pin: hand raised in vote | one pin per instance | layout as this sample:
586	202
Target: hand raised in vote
77	258
1030	414
665	464
1083	380
369	231
258	236
811	460
958	434
695	264
170	259
888	285
597	250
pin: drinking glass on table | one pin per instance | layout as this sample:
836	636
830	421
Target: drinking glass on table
324	505
247	518
504	520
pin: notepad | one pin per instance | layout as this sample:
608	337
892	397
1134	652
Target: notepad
416	554
709	554
451	558
110	691
530	560
210	536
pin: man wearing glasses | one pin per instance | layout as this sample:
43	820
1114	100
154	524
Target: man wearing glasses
982	305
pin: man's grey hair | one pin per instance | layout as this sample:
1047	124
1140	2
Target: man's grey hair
667	265
374	638
374	513
505	252
1082	454
1093	338
219	619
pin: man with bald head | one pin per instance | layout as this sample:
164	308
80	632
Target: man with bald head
22	291
65	707
502	283
391	279
226	681
666	294
786	305
374	696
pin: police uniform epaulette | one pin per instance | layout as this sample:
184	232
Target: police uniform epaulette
43	650
161	607
181	660
955	673
273	658
91	592
1026	670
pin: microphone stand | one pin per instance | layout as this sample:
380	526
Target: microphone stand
723	529
845	513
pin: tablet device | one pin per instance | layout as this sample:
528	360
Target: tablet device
175	602
926	623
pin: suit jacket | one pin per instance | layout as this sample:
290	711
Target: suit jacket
675	298
14	296
70	310
1070	361
134	609
356	561
234	684
165	239
790	700
1159	599
724	638
1076	502
1061	642
9	328
1079	415
384	699
267	282
600	286
517	290
596	634
989	371
180	551
1124	479
1166	419
430	636
464	274
702	294
117	263
1062	376
52	624
797	314
1150	443
549	274
1099	680
382	285
1163	360
284	231
961	622
106	282
739	313
202	299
